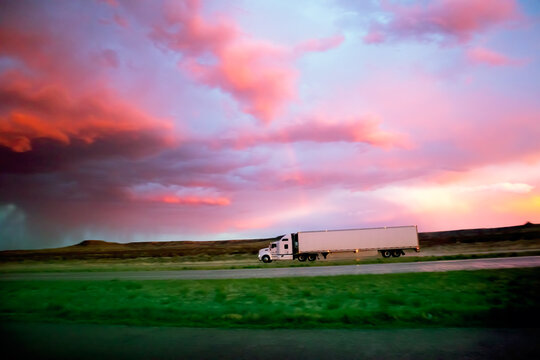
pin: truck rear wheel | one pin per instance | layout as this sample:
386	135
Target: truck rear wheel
396	253
386	253
302	257
312	257
266	259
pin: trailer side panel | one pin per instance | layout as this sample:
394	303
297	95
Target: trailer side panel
402	237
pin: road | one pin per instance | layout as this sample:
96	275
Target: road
391	268
84	341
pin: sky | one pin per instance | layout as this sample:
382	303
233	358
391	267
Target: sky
207	120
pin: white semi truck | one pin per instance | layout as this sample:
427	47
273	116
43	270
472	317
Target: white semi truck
310	245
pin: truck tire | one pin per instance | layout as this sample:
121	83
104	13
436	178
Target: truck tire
312	257
266	259
302	257
386	253
396	253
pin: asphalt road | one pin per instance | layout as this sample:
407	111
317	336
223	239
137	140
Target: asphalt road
427	266
83	341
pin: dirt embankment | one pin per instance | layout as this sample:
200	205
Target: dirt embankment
98	249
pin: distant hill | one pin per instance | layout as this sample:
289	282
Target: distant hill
99	249
528	231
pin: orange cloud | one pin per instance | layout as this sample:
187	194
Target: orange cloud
50	112
157	192
195	200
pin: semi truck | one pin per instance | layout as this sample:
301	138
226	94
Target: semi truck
311	245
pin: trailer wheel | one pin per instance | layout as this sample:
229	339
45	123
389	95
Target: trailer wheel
302	257
312	257
386	253
266	259
396	253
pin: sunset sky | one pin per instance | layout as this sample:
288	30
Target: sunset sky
187	120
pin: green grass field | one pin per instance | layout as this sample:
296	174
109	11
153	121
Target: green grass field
492	298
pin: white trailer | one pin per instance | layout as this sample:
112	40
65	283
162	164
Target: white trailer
310	245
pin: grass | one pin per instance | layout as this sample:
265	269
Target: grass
210	263
497	298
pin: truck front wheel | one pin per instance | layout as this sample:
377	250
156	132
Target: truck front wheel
386	253
266	259
302	257
312	257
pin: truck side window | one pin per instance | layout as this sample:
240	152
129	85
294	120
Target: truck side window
285	239
286	246
273	245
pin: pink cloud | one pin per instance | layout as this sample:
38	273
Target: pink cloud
374	37
112	3
453	20
120	21
109	58
45	100
186	31
256	73
324	44
361	130
454	130
50	55
259	74
479	55
25	45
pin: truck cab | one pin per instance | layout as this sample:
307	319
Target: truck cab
278	250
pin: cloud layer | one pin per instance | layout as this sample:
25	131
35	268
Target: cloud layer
130	121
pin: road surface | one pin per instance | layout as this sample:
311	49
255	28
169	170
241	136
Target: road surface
391	268
83	341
